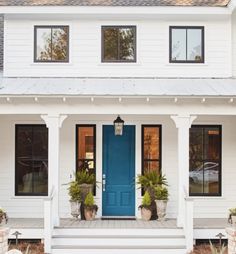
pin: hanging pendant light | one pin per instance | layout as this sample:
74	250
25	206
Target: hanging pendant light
118	126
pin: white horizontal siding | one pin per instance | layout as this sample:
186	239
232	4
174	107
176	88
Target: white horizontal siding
206	207
85	50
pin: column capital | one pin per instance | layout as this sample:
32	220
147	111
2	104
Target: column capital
183	120
54	120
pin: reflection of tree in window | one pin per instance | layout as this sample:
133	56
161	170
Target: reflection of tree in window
119	44
52	44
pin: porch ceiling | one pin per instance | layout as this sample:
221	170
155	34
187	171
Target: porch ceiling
106	87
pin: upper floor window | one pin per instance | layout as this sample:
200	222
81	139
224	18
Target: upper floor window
205	160
31	165
51	44
118	44
186	44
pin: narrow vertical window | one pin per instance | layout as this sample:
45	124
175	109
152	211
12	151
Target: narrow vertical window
118	44
31	160
86	148
187	44
205	161
151	148
51	44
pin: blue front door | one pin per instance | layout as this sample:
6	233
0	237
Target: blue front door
118	172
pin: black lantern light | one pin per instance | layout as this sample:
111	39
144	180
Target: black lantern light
118	126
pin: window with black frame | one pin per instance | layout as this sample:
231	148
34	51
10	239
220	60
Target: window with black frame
186	44
151	148
86	148
31	163
118	44
51	43
205	161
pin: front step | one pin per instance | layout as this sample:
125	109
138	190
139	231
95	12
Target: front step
118	241
119	250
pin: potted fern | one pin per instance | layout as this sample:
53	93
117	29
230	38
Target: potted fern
232	215
90	208
148	181
161	199
75	198
220	250
86	182
146	208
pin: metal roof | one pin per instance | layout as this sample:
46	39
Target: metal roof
211	3
116	87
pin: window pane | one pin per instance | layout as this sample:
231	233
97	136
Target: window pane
31	160
196	144
178	47
151	143
211	177
59	44
127	44
196	178
43	44
110	44
86	143
40	159
212	144
205	160
194	44
151	166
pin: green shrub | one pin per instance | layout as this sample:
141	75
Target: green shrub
89	200
151	179
161	193
84	177
74	191
146	199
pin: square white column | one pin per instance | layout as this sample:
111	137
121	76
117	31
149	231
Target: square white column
54	123
183	124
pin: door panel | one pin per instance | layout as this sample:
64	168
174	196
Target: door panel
119	171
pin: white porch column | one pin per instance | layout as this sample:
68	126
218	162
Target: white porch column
54	123
183	123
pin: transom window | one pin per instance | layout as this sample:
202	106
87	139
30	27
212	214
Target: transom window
51	44
151	148
118	44
31	163
86	147
186	44
205	160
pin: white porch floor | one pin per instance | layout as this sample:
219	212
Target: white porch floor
71	223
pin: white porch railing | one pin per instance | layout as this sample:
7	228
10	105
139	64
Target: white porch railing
48	221
188	221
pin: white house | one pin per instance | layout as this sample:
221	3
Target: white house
70	67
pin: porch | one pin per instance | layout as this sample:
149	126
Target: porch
56	205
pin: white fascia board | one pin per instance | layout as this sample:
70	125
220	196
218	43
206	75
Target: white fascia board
115	10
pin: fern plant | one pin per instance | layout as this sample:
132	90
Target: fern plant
84	177
219	250
146	201
161	193
151	179
89	202
74	191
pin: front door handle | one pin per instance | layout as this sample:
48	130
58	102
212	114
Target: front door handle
103	182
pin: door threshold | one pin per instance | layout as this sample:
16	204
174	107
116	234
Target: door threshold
118	218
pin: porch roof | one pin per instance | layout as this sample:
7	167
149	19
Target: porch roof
130	87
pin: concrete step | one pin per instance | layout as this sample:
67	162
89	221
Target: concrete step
73	249
112	240
118	231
